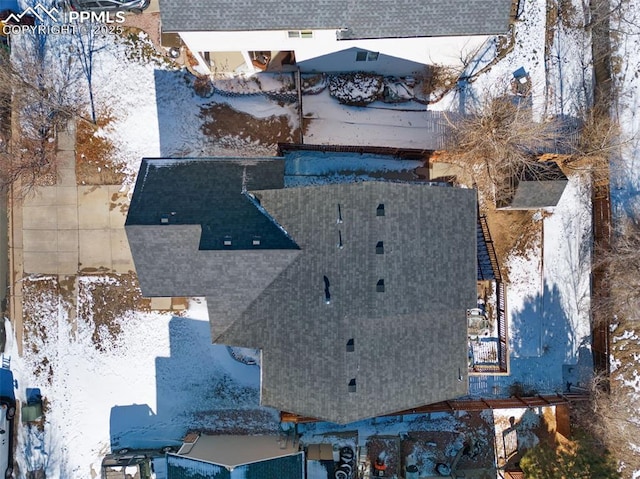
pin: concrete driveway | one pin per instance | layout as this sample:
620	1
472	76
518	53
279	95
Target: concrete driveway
67	229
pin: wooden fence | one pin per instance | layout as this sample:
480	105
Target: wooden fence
469	405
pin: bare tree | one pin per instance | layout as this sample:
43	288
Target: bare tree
501	141
610	416
620	262
37	88
596	145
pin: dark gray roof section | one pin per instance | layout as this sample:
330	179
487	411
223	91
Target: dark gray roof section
409	341
539	185
532	195
286	467
212	194
355	18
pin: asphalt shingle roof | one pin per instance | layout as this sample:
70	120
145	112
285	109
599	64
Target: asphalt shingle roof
357	18
287	467
410	340
211	195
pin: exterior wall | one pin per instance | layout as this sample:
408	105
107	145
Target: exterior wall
432	50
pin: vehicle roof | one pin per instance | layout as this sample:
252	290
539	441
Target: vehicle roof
6	386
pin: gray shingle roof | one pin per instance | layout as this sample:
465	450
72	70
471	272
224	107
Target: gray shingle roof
409	340
532	195
184	257
360	19
211	195
539	185
287	467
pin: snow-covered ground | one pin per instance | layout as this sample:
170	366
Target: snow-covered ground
162	376
157	112
144	388
625	181
548	293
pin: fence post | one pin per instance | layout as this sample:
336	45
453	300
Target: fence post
298	80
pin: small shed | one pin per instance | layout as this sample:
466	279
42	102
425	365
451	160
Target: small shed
534	188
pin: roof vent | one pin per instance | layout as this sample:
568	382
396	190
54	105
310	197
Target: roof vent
351	345
164	219
226	241
380	247
256	241
380	210
352	385
380	286
327	293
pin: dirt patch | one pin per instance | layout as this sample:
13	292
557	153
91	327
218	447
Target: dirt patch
95	164
224	124
512	232
148	22
104	302
470	446
40	303
569	15
426	449
478	447
551	26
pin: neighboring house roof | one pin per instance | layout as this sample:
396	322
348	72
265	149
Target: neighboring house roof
232	451
372	327
241	457
356	18
287	467
532	195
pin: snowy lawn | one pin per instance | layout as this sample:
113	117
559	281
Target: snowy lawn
143	387
157	111
549	285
